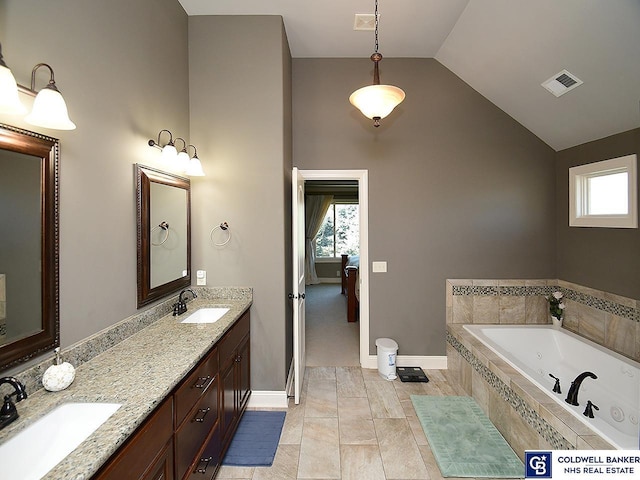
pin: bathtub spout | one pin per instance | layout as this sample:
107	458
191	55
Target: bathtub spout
572	396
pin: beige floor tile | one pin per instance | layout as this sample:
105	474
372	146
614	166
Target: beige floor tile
350	382
400	454
360	462
236	473
321	373
321	400
357	431
285	465
355	407
292	428
320	449
383	400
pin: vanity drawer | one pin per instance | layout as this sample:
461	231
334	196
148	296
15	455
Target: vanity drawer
190	437
234	336
209	460
199	381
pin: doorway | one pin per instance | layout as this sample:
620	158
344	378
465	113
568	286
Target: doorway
328	332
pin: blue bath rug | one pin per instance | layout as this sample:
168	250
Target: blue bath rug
463	440
256	439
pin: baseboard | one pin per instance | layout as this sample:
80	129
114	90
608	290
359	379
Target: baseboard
329	279
268	399
424	362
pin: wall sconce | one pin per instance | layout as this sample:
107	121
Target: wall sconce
49	108
185	164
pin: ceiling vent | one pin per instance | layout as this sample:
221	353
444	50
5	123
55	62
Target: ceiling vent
365	22
561	83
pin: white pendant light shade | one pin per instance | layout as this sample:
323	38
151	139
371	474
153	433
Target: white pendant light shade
377	101
183	161
50	111
9	101
195	168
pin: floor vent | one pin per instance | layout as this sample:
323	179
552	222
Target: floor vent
561	83
365	22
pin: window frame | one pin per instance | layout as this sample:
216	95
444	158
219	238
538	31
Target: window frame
578	193
336	256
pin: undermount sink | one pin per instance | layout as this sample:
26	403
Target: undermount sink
206	315
34	451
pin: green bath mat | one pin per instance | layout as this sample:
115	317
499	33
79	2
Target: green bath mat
463	440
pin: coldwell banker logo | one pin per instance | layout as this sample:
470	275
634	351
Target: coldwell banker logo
537	464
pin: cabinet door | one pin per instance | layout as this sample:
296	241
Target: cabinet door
243	367
162	469
227	398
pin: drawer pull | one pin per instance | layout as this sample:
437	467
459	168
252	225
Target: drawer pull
203	465
202	382
204	412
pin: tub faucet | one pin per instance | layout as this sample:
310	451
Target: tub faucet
181	305
572	396
9	413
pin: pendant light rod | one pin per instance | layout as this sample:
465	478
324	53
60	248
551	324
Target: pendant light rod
376	101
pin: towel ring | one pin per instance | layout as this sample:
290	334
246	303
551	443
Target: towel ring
224	227
164	226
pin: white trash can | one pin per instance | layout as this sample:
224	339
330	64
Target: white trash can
387	350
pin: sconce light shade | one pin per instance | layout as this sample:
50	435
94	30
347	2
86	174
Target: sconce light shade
169	152
377	101
50	110
195	168
9	101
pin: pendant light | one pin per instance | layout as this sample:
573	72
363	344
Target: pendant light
377	101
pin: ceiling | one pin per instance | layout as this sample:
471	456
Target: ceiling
504	49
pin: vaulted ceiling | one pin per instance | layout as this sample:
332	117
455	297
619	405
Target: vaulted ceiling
504	49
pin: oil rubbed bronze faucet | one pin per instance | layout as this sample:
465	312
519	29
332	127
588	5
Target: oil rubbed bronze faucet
181	305
9	413
572	396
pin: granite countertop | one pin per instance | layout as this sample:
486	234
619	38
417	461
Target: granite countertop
138	373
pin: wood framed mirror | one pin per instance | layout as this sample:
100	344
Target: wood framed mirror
164	233
29	245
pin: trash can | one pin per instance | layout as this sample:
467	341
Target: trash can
386	350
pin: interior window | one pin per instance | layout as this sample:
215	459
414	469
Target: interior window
604	194
340	231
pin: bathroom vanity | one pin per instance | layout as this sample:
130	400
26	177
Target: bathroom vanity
181	388
188	432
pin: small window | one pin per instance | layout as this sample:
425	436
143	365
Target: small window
604	194
340	231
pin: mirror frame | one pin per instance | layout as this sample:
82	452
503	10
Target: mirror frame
48	151
144	177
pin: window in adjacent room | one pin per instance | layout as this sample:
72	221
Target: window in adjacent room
340	231
604	194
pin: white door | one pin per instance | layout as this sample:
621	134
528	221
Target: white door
299	354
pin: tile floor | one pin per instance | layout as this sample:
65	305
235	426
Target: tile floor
352	424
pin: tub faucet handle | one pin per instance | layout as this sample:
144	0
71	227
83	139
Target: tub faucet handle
556	386
588	411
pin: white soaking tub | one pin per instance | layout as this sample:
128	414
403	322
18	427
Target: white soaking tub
539	350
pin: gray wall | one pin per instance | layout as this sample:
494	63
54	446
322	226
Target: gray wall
457	188
239	84
122	68
602	258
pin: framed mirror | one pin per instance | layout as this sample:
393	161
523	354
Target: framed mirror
164	233
29	255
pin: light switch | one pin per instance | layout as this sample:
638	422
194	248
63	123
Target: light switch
379	267
201	277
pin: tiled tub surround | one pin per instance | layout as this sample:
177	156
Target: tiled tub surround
137	363
526	416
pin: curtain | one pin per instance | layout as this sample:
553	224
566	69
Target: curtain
315	208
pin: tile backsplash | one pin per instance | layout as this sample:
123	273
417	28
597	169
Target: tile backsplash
605	318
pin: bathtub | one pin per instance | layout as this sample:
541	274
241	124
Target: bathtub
539	350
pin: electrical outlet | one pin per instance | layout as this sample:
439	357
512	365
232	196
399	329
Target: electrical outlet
337	273
201	277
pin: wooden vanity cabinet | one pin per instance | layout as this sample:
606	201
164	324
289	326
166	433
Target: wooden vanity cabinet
185	438
148	454
235	381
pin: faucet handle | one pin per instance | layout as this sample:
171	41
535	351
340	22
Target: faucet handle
556	386
588	411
